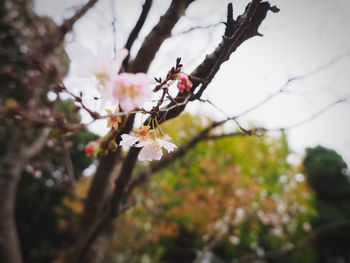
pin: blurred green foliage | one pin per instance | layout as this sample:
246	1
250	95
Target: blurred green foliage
236	195
327	175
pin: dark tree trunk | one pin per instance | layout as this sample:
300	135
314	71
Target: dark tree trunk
10	170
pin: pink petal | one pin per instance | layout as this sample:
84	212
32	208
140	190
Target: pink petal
127	105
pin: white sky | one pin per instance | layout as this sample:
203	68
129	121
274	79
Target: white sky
303	36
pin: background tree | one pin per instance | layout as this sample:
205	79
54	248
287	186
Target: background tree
47	202
326	173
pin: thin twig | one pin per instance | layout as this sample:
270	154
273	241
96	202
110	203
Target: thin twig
191	29
114	30
68	24
68	162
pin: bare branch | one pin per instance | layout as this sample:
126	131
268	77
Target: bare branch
158	35
136	30
114	30
261	130
68	24
68	162
49	44
191	29
38	144
98	212
322	67
282	88
244	28
313	116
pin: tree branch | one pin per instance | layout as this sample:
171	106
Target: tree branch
158	35
261	130
68	162
38	144
191	29
245	27
136	30
68	24
143	176
254	14
49	44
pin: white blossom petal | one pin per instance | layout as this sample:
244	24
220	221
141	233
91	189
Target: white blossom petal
167	145
103	66
143	143
151	152
128	140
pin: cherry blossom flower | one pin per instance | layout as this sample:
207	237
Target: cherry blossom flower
113	118
142	134
184	83
128	140
100	65
131	90
152	149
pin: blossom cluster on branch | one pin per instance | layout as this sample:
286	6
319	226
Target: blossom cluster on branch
127	93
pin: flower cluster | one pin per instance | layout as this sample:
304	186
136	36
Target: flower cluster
126	89
131	90
184	83
151	147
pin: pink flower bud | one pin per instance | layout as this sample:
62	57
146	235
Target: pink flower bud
92	149
89	150
181	86
188	85
183	77
184	83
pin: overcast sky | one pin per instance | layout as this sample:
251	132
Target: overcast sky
303	36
